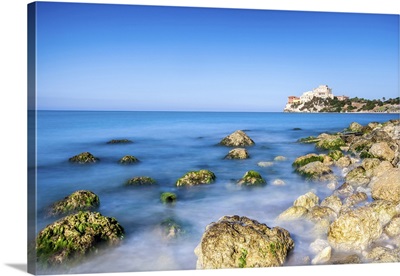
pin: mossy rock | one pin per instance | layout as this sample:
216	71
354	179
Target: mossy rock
84	157
128	159
308	158
77	201
330	142
140	181
196	178
71	238
168	198
251	178
119	141
316	171
335	154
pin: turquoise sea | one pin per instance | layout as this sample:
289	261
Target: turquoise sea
169	144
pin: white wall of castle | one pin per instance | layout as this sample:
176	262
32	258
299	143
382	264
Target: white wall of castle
322	91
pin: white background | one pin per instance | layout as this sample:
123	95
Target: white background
13	143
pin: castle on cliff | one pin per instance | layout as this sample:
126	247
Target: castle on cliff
322	91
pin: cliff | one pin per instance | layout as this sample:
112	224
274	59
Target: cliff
349	105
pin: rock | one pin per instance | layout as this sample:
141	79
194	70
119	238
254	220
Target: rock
355	230
332	202
328	161
381	169
168	198
309	140
322	257
350	259
239	242
293	213
196	178
238	153
77	201
307	200
321	227
343	162
355	198
330	142
385	210
140	181
360	144
265	164
370	163
387	186
392	229
278	182
170	229
381	254
128	159
237	139
318	245
344	190
335	154
119	141
308	158
84	157
318	213
355	127
316	171
74	236
357	177
382	151
280	158
251	178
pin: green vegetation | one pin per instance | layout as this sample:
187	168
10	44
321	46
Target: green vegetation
196	178
168	198
304	160
251	178
77	201
242	258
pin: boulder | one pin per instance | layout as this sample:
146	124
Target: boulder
382	151
84	157
355	127
318	213
72	237
355	230
350	259
308	158
318	245
382	254
387	186
392	229
330	142
237	139
385	210
251	178
316	171
335	154
332	202
293	213
238	153
343	162
128	159
307	200
196	178
240	242
322	257
355	199
344	190
140	181
77	201
357	177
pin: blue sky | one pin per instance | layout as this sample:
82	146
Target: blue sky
123	57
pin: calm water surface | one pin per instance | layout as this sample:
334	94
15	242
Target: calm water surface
169	144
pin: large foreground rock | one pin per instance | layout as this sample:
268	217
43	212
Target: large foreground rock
237	139
237	242
72	237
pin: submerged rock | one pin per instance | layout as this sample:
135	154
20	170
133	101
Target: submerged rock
170	229
196	178
307	200
77	201
140	180
237	139
265	164
238	153
119	141
251	178
280	158
72	237
84	157
293	213
128	159
168	198
240	242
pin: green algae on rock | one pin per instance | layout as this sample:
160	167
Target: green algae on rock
70	238
251	178
84	157
77	201
308	158
168	198
196	178
140	180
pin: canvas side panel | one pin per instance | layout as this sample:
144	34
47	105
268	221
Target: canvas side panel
31	113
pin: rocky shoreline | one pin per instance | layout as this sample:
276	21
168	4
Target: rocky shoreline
358	223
